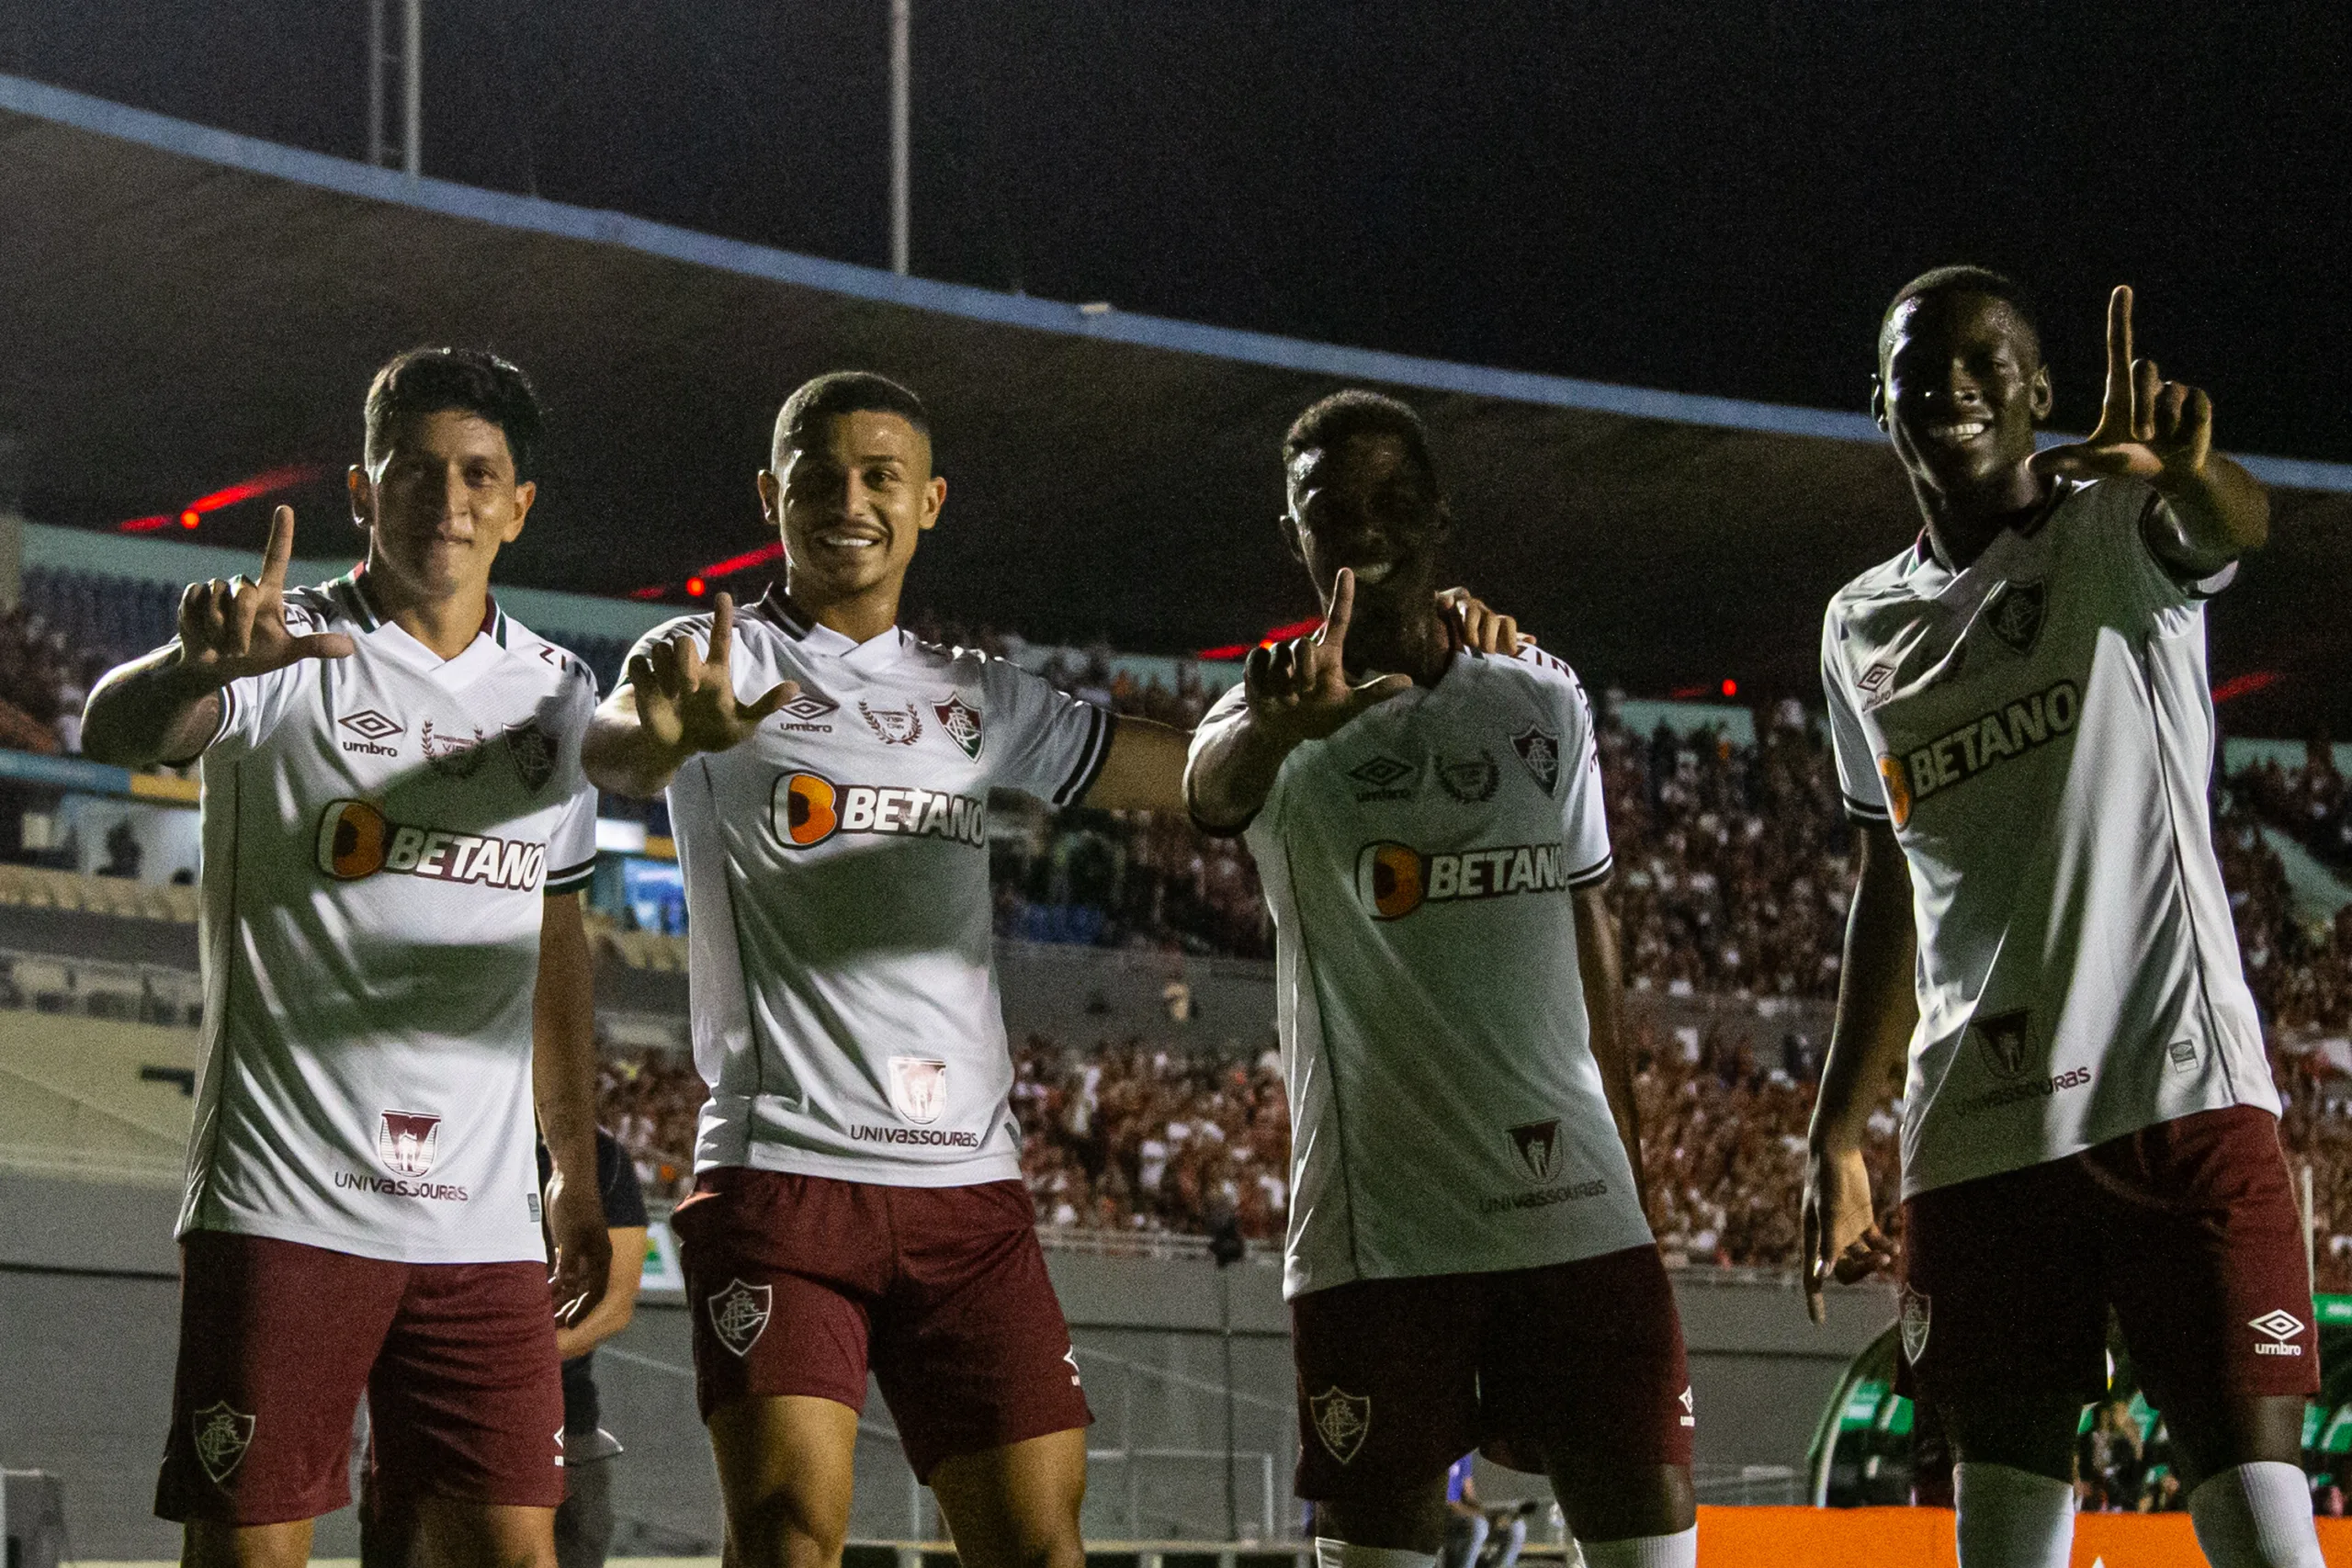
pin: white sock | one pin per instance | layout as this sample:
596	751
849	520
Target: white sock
2256	1516
2012	1518
1330	1554
1678	1550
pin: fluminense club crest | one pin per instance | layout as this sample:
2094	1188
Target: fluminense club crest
1342	1420
1539	751
897	726
962	722
2014	611
408	1140
533	750
1913	1313
918	1088
738	1314
221	1436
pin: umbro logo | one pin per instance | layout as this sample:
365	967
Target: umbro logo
804	711
2281	1328
1384	778
369	725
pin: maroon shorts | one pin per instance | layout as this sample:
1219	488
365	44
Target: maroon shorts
2188	1228
278	1340
799	1284
1400	1378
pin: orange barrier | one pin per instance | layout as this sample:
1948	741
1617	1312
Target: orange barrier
1900	1537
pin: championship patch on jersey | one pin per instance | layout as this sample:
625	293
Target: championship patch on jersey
806	809
1469	779
896	726
1396	879
452	756
962	722
356	839
1984	743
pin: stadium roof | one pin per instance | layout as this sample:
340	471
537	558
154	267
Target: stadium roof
184	308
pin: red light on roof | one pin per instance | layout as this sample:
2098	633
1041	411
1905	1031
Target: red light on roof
188	518
694	586
1731	687
243	489
145	525
1278	634
2245	686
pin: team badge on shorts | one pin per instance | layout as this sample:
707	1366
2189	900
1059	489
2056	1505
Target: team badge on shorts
533	752
962	722
918	1089
1540	753
2014	611
1912	1312
222	1436
408	1140
1341	1420
738	1314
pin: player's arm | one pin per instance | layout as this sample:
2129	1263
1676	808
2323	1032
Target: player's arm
1877	1008
1296	690
1145	770
564	1079
674	701
2162	432
167	706
617	1305
1604	988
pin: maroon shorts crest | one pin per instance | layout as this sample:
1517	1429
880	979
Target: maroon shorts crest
2188	1228
1400	1378
801	1284
277	1342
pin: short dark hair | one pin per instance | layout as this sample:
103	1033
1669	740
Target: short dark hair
432	380
1961	279
1353	413
837	392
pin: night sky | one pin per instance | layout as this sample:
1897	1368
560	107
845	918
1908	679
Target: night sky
1713	198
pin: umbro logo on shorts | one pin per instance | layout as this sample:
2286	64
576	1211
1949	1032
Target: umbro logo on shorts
1341	1420
1689	1416
2281	1326
221	1436
738	1314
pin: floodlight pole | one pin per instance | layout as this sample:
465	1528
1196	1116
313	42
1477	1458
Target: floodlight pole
375	84
902	126
413	91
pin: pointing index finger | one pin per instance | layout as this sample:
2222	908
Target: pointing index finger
2118	356
1334	634
722	628
281	549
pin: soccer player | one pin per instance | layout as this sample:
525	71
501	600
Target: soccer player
1468	1261
396	832
2019	705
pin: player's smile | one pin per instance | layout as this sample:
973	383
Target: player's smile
852	505
1962	391
441	500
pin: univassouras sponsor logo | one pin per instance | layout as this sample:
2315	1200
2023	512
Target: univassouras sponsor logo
1396	879
2036	1088
356	839
806	809
937	1137
1985	741
1543	1197
393	1187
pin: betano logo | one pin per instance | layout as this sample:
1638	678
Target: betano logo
1396	879
1961	754
356	839
807	809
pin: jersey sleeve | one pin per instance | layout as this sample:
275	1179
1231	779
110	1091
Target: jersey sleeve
1858	777
1223	714
1041	740
2166	586
1584	798
571	846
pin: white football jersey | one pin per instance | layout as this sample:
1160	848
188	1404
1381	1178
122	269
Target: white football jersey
380	833
1447	1114
2038	732
841	953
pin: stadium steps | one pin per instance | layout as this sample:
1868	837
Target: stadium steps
37	887
95	1098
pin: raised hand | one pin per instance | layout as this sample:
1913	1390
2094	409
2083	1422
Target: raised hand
1471	623
1842	1240
2149	428
1299	689
230	631
686	698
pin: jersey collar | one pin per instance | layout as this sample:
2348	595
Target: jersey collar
351	592
777	608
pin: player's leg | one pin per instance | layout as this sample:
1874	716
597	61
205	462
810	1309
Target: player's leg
465	1402
1581	1369
973	1355
2004	1323
779	1271
1016	1507
276	1340
2206	1253
583	1525
1388	1401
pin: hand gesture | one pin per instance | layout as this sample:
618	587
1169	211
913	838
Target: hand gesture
2148	428
230	631
1469	623
1300	688
1842	1240
686	698
582	1248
